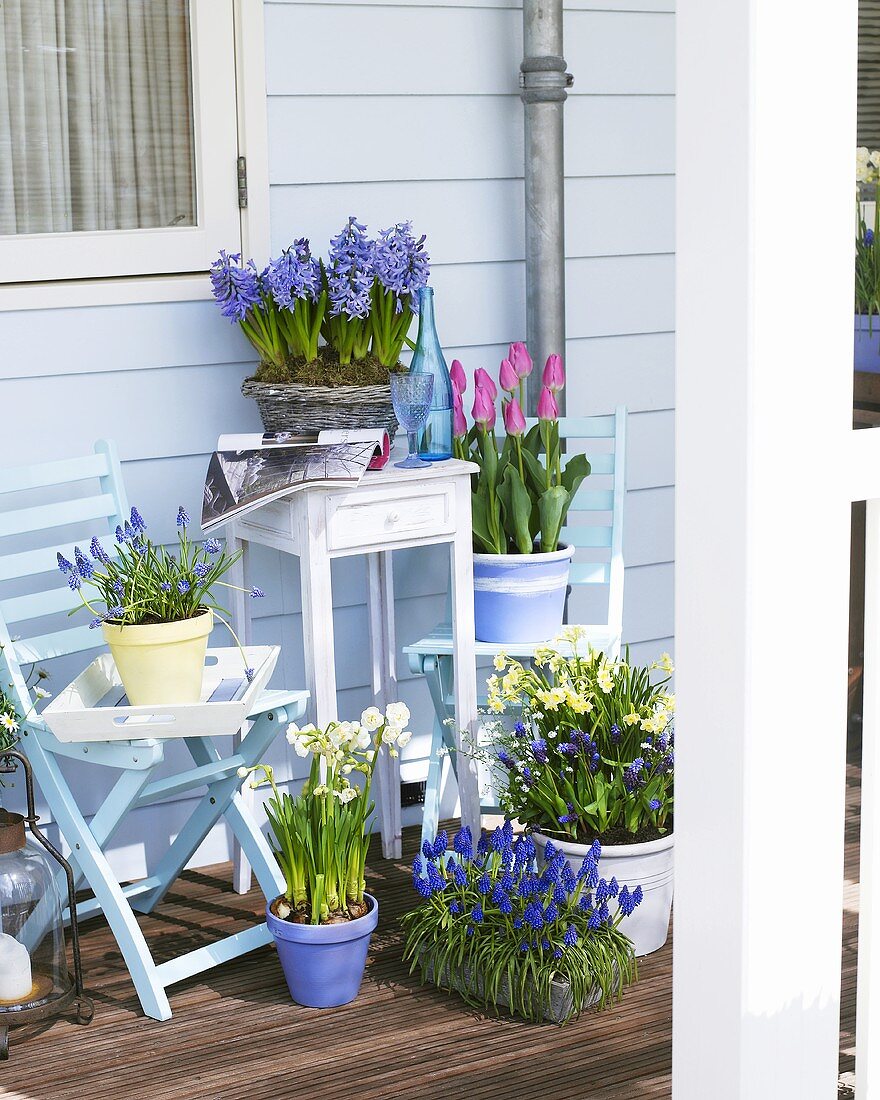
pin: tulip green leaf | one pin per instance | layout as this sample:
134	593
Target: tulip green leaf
576	469
516	505
553	507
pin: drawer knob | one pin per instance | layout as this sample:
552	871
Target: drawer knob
393	517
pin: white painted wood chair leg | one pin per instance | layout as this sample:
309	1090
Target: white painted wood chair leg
384	684
868	986
242	879
464	657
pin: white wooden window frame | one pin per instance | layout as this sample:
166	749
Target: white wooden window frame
156	265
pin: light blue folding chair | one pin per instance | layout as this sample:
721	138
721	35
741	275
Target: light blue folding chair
94	495
595	528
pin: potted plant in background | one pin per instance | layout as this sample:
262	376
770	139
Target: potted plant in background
867	280
592	759
545	945
521	497
361	301
323	921
158	607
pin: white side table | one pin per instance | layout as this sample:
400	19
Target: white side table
391	509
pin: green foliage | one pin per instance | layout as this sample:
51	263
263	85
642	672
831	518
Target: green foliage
321	836
498	933
521	495
594	749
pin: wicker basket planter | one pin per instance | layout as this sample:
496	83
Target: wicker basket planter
302	409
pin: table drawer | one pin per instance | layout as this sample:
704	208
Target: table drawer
376	517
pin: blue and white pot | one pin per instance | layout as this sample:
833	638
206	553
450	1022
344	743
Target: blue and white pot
866	348
650	865
520	597
324	963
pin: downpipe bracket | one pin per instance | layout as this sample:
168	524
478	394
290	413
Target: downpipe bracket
544	79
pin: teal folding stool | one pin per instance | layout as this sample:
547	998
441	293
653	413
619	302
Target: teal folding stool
595	529
94	496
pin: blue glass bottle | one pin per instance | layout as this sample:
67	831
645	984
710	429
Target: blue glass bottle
435	438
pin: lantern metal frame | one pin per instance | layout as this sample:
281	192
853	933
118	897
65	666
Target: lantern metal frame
53	1005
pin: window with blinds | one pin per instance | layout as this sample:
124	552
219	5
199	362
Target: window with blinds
869	74
118	137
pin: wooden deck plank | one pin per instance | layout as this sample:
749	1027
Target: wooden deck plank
235	1033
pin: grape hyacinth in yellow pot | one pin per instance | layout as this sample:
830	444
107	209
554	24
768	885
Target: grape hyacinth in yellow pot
158	607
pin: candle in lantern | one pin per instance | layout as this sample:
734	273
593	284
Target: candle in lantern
15	970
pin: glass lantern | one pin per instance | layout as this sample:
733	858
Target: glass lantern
34	979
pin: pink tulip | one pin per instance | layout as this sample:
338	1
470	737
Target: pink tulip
483	381
547	407
459	378
519	356
483	411
459	423
508	376
514	421
554	374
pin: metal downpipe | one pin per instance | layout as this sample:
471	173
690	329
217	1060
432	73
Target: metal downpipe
543	83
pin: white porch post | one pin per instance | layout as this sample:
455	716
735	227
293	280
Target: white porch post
766	135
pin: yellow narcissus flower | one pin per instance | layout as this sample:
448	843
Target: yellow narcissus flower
572	634
665	663
500	661
580	704
552	698
605	680
632	719
510	683
543	655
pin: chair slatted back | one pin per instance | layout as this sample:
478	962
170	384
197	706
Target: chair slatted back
595	518
33	531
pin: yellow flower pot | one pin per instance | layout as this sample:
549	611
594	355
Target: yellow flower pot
161	662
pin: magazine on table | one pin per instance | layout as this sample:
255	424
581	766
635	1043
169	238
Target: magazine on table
247	471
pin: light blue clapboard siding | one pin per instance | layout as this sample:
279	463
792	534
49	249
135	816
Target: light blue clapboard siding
609	53
476	221
441	143
461	137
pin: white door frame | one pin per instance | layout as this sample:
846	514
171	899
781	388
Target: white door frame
765	189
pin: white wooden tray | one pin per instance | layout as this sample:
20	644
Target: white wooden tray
94	707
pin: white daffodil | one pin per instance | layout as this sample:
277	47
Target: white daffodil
346	795
363	739
243	773
372	718
321	790
397	714
404	739
346	769
500	662
301	746
391	734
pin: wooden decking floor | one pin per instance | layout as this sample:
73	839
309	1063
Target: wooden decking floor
235	1033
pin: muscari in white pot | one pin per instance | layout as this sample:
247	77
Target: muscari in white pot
592	757
520	502
649	865
159	607
323	923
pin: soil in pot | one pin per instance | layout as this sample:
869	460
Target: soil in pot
280	909
327	371
620	835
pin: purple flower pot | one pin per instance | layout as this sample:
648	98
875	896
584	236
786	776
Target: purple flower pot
866	348
520	597
324	963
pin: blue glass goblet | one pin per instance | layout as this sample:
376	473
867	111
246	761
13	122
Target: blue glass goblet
411	396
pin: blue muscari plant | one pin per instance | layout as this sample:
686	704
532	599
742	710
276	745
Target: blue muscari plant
146	584
490	916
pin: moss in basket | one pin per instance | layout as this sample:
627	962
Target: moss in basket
326	371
